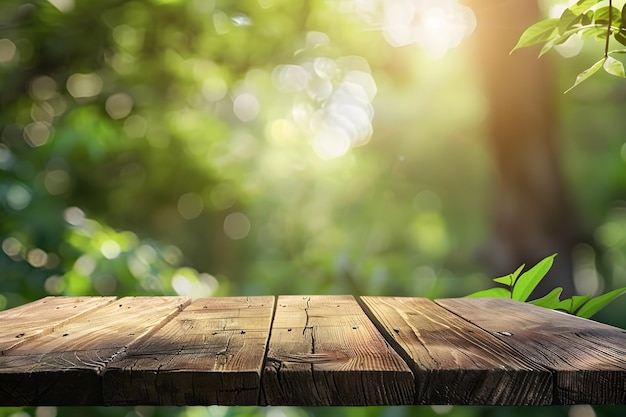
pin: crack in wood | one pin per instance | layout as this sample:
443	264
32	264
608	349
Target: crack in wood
222	356
306	313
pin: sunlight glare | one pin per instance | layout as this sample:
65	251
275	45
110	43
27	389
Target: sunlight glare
331	142
281	132
434	26
556	10
290	78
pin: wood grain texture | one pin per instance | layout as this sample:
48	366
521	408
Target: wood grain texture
40	317
63	367
211	353
298	350
323	350
588	358
455	362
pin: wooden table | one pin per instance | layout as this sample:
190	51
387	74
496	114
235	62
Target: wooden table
305	350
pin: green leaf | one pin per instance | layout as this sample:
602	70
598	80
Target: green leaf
624	13
593	32
586	74
614	67
601	16
539	32
561	39
572	304
551	300
620	35
582	6
596	304
529	279
491	293
509	280
567	20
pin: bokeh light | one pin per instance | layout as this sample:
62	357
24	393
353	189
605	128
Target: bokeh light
246	107
18	197
110	249
332	102
84	85
8	51
434	26
12	247
43	87
119	105
190	205
237	226
37	133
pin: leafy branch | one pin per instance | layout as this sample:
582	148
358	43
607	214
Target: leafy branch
587	20
521	286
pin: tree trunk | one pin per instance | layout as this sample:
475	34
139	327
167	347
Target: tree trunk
533	216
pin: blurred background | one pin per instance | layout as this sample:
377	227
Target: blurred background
379	147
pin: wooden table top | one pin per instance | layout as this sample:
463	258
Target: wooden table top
305	350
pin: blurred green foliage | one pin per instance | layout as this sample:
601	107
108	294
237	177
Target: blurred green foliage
125	125
154	147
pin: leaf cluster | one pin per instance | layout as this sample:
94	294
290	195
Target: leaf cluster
520	286
585	19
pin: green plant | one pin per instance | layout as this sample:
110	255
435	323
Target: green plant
520	286
587	20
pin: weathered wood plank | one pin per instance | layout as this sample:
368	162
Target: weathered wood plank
323	350
211	353
63	366
455	362
40	317
588	358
